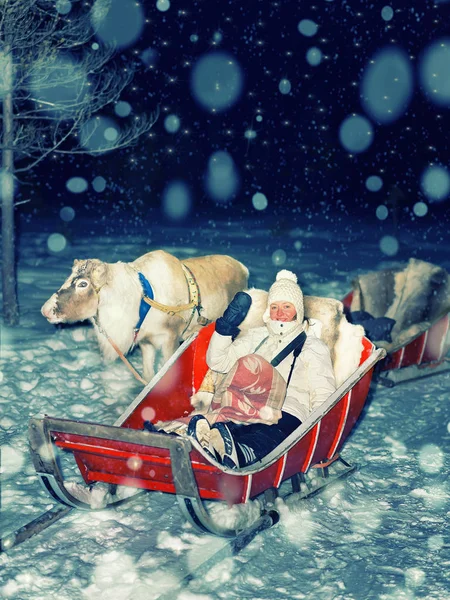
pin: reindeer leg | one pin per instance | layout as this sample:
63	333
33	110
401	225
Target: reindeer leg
171	345
148	360
166	344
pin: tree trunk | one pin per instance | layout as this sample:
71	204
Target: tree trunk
9	279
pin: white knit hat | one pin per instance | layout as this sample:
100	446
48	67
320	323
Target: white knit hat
286	289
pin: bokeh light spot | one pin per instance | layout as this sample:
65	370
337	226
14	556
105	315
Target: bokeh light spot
307	27
356	133
122	109
111	134
134	463
382	212
77	185
414	577
374	183
118	23
279	257
63	6
58	86
163	5
12	461
7	183
5	63
56	242
435	542
284	86
420	209
222	178
434	72
314	56
67	214
172	123
259	201
93	135
148	413
176	200
389	245
217	81
387	13
431	458
387	85
149	57
435	183
99	183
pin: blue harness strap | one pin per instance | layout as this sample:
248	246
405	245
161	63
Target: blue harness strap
144	307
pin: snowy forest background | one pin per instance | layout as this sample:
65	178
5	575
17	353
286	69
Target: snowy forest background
301	135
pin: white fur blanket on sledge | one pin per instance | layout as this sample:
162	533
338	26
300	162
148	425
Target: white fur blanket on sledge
415	295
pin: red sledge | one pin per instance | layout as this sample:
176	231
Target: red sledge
417	297
126	455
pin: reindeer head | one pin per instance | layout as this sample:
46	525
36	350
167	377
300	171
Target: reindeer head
77	299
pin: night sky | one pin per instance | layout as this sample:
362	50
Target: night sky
284	145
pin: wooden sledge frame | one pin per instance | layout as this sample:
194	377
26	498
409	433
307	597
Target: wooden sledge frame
43	431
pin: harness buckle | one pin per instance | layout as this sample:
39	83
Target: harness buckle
201	320
133	343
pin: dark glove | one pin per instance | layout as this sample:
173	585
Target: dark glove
379	329
376	329
234	314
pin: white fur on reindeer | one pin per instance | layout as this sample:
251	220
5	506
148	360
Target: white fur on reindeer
109	295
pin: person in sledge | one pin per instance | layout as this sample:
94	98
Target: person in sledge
275	376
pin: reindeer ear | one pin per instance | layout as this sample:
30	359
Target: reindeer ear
99	273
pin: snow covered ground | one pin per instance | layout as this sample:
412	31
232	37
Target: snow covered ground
382	533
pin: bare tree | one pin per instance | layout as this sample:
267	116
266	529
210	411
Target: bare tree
54	79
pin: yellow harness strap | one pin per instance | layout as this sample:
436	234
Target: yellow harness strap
171	310
193	296
194	292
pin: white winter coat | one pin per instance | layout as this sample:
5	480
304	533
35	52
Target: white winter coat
312	379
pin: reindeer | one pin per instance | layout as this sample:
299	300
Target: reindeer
154	302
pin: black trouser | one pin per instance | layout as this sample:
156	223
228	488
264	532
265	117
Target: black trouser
261	438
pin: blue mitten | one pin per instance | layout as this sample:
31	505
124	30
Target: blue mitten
234	314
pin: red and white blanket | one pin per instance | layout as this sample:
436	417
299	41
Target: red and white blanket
253	391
